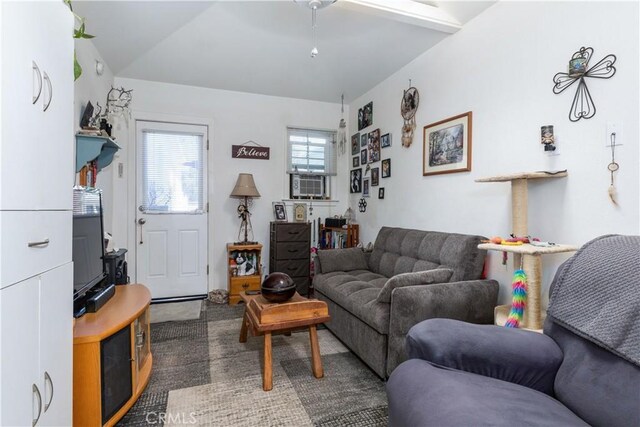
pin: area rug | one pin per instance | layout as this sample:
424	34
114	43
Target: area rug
202	375
175	311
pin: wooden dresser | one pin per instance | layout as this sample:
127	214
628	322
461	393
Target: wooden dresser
289	252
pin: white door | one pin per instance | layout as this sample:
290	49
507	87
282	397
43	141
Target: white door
171	208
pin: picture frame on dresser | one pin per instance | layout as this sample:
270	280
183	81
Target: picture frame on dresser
279	211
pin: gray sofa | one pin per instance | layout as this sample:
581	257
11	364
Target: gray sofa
584	370
411	275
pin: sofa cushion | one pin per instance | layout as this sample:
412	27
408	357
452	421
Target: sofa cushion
421	394
440	275
357	292
342	260
398	250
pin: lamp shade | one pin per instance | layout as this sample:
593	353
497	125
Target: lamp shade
245	186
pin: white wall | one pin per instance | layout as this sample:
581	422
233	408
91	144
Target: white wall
235	118
92	87
500	66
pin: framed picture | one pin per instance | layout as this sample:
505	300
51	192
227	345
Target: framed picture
279	211
365	187
385	140
365	116
356	161
355	144
363	157
447	146
355	182
300	212
386	168
363	140
374	146
381	193
375	177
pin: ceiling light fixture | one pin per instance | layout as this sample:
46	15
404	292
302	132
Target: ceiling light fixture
314	5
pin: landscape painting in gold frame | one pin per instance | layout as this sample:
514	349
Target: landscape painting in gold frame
447	146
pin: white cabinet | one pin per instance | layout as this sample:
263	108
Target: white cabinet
37	106
56	345
36	180
20	353
37	345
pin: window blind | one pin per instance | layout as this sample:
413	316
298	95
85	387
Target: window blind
172	177
311	152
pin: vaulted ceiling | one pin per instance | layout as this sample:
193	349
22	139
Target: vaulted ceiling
264	46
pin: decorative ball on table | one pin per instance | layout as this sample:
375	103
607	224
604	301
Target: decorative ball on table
278	287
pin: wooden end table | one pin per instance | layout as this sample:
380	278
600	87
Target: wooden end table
264	318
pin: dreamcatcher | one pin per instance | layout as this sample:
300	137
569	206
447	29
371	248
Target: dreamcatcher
408	108
583	106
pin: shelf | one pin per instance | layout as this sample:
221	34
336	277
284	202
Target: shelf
524	175
527	249
501	313
89	148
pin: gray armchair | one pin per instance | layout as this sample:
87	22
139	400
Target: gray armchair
584	369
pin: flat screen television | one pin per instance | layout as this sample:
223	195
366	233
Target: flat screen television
88	252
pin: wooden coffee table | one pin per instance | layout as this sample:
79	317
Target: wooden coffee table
264	318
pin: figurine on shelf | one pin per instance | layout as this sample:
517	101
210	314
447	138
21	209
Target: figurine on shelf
245	268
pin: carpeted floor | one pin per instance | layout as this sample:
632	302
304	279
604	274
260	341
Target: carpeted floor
202	375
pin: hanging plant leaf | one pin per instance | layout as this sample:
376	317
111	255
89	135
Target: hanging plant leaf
77	69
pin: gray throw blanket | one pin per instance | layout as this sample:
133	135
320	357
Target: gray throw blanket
597	295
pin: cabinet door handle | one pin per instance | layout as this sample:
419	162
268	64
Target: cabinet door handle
47	379
36	392
39	244
245	285
46	104
37	71
292	250
294	232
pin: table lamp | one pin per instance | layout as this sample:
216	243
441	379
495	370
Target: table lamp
245	189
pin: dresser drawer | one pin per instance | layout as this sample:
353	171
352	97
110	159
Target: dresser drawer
32	242
292	232
244	283
292	250
297	267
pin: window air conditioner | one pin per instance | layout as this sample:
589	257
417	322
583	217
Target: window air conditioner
308	186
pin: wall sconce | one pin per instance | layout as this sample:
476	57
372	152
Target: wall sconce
99	68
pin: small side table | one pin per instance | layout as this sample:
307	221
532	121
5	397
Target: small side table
247	276
264	318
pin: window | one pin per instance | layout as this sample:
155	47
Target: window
311	161
172	172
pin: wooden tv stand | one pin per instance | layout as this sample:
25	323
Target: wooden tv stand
129	308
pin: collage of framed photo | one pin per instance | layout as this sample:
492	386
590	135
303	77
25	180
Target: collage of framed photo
370	146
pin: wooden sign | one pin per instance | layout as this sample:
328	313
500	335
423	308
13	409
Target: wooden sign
249	152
